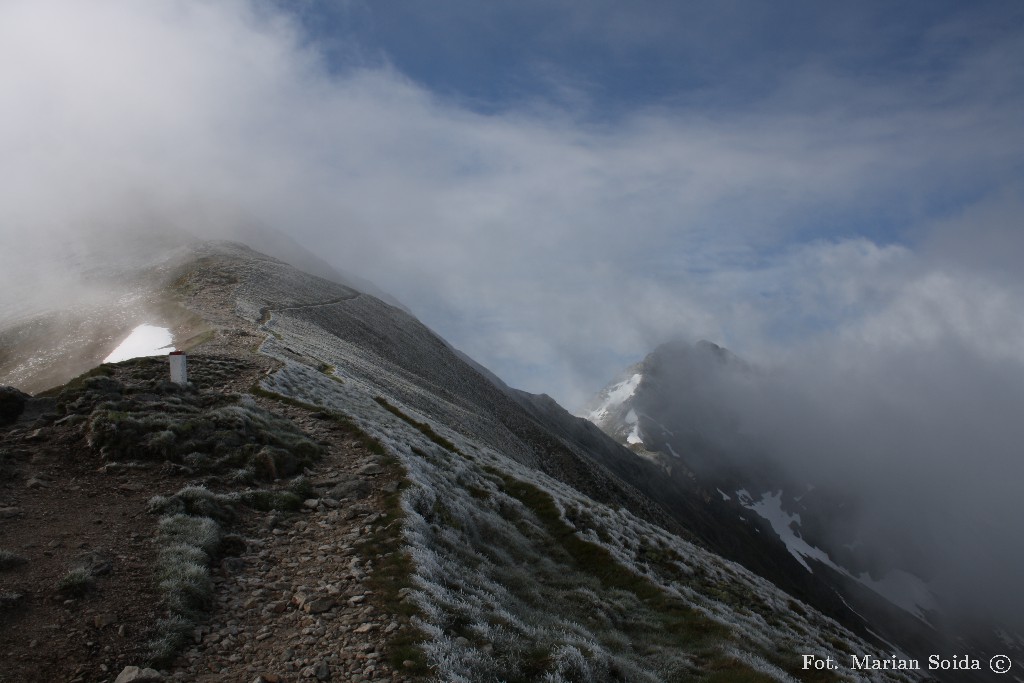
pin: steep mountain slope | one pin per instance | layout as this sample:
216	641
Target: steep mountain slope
673	410
461	506
540	549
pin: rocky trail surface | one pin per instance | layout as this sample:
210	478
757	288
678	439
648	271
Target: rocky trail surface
297	594
299	603
294	596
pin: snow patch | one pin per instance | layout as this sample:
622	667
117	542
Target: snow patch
634	435
144	340
770	508
904	590
616	396
901	588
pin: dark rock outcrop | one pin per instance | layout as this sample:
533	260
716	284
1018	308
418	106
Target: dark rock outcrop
12	404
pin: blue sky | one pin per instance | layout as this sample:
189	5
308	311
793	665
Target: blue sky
705	56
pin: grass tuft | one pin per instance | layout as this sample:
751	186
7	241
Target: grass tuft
188	546
199	532
173	633
78	383
392	576
75	583
423	427
347	426
662	620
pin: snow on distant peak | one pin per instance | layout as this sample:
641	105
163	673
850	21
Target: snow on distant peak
770	508
901	588
633	438
144	340
904	590
615	397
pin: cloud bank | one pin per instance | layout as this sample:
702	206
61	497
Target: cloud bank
523	234
921	437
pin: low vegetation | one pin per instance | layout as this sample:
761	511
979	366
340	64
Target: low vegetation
590	558
146	418
134	418
78	384
423	427
329	370
190	535
241	438
75	583
200	501
664	621
391	580
188	545
350	428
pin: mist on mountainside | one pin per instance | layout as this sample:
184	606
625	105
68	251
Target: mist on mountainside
524	231
925	441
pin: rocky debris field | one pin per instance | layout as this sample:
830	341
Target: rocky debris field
298	603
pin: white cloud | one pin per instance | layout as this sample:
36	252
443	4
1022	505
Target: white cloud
589	241
942	307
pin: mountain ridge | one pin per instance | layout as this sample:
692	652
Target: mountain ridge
527	548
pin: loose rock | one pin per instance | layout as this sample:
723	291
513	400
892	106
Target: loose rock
133	674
